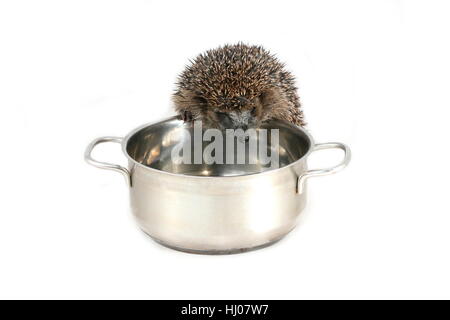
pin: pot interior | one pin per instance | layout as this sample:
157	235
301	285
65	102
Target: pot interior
182	148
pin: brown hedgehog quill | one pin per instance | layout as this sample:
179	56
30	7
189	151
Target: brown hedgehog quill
237	86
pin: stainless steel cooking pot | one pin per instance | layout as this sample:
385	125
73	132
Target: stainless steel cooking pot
215	208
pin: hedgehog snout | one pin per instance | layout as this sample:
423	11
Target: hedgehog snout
241	119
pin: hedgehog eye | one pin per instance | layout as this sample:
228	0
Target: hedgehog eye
253	111
222	116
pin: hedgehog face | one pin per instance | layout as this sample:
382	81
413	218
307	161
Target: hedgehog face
250	113
224	113
234	112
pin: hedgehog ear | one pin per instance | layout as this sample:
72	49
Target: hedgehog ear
186	100
270	98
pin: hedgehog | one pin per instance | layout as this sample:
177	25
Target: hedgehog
237	86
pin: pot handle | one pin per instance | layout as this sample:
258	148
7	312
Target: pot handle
322	172
106	165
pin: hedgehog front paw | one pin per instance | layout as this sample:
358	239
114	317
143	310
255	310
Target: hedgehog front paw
186	116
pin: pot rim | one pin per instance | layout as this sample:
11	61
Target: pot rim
270	171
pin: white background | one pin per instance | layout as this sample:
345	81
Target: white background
372	74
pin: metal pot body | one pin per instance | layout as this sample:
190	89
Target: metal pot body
216	215
213	214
